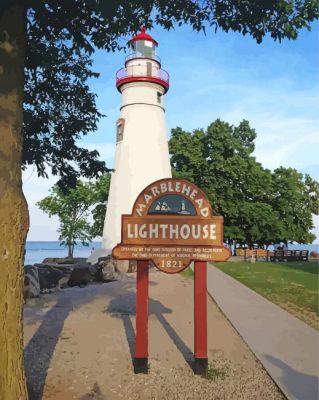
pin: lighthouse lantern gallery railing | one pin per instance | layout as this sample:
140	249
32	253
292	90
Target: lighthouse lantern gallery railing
144	70
171	225
137	55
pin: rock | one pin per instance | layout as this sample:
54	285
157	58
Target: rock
123	266
64	260
106	269
31	282
132	267
82	274
53	277
55	261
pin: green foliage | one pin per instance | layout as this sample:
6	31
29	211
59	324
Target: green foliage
101	192
73	209
188	273
259	206
296	198
59	107
214	373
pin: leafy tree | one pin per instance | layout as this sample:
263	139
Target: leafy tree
72	210
101	192
59	108
295	198
75	207
37	37
259	207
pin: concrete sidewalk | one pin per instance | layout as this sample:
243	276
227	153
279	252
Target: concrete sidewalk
286	346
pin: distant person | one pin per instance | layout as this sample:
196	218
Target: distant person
92	250
285	247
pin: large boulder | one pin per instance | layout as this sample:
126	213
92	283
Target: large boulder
53	277
106	269
31	282
63	261
82	274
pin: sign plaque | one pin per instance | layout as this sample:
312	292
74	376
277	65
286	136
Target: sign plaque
172	224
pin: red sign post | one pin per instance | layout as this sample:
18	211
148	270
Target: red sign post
141	343
172	224
200	317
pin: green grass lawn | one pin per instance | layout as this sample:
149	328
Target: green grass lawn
291	285
188	273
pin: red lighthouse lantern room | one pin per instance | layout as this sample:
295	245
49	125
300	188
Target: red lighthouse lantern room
142	64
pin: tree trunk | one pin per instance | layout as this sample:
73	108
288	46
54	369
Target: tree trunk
70	252
14	219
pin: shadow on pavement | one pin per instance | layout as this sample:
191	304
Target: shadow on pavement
301	385
40	349
124	306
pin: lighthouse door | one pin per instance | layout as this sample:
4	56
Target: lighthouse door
149	69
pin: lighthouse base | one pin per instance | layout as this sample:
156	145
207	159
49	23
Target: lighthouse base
122	266
96	254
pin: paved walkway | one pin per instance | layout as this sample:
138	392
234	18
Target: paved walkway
79	344
286	346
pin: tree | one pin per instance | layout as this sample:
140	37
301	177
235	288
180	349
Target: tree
14	218
259	207
59	107
295	198
101	193
79	26
74	208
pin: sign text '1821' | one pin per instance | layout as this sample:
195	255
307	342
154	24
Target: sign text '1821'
171	264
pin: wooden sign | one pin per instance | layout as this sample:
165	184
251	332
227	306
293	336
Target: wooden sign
172	224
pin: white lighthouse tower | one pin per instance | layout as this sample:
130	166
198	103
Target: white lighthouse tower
141	155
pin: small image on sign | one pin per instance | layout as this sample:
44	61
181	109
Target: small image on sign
172	204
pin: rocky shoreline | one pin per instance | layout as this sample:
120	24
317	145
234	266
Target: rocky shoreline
54	274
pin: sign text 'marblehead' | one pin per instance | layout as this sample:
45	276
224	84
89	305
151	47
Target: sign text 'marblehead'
184	188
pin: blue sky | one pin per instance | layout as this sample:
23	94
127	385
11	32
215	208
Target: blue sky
273	85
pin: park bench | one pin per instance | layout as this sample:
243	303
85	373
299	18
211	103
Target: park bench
289	255
256	253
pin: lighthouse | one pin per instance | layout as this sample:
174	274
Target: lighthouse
141	155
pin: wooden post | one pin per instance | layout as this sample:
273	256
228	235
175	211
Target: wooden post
200	317
141	343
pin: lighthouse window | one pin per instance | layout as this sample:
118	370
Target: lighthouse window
145	48
159	97
119	129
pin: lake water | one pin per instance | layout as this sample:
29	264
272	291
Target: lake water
36	252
